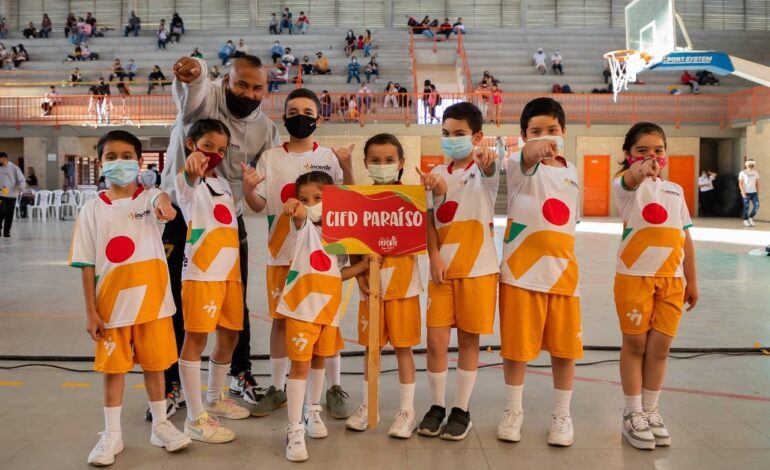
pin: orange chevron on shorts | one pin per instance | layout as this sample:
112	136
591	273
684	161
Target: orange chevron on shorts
664	237
469	234
213	242
403	268
152	273
318	284
280	233
546	243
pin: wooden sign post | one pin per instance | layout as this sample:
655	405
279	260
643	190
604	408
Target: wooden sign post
387	220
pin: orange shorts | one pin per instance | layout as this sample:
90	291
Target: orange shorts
399	322
467	304
276	279
646	302
151	345
208	304
532	321
305	339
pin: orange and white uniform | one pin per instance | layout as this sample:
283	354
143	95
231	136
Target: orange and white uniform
310	300
465	225
649	284
281	168
539	303
212	293
121	240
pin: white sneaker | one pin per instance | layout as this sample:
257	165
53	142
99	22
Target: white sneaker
314	425
658	429
206	428
358	420
403	426
110	444
167	435
509	428
637	431
751	222
746	223
561	433
295	443
227	408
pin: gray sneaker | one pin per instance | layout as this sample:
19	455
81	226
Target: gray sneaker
338	403
636	430
272	400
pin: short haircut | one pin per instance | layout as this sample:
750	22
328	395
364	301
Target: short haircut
542	107
250	60
384	139
467	112
302	93
3	155
312	177
119	136
204	126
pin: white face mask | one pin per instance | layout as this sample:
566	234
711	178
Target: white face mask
554	138
384	174
314	212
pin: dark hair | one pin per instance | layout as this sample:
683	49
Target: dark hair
302	93
467	112
312	177
384	139
204	126
119	136
542	107
3	155
249	59
636	132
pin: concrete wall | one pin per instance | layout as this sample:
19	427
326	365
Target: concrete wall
758	148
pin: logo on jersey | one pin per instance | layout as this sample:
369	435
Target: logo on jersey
109	345
310	167
468	179
211	309
571	182
300	342
139	215
670	193
635	317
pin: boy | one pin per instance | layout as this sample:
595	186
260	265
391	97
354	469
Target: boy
117	244
539	304
464	266
280	167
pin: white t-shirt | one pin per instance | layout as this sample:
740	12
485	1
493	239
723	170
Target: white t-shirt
706	183
539	58
749	179
556	58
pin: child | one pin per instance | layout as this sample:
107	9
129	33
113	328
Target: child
497	101
656	251
464	267
400	287
212	293
539	304
281	166
310	304
117	245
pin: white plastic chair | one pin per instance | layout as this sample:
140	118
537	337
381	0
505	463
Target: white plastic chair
41	205
56	202
69	204
18	206
86	196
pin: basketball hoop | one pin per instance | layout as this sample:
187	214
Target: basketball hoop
625	64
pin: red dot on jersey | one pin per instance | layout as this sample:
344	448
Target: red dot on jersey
555	211
222	214
320	261
119	249
654	213
288	192
446	213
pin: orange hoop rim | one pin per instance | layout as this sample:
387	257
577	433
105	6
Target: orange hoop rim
622	55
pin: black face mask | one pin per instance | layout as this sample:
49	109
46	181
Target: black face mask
240	106
300	126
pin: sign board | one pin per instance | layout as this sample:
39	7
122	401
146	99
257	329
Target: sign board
716	62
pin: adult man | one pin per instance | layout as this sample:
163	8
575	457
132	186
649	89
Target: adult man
321	64
11	182
539	61
236	102
706	192
50	99
134	25
748	182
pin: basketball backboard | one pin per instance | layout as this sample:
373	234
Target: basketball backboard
651	28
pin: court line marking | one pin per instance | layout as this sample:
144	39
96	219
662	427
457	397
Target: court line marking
11	383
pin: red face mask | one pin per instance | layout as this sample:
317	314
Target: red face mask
214	158
637	158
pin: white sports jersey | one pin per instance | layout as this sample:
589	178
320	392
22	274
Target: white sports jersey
465	221
655	218
212	248
121	240
280	169
539	240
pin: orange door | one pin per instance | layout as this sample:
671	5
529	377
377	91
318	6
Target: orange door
428	162
596	185
681	170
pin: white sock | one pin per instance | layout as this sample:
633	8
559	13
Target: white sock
333	365
561	399
633	403
295	397
316	379
513	397
650	399
217	375
112	418
365	393
190	376
279	367
158	410
437	382
406	394
465	381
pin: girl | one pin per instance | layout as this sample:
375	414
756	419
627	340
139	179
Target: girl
312	325
400	305
368	44
655	253
211	282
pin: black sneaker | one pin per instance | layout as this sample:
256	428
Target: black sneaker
244	385
430	425
458	425
174	401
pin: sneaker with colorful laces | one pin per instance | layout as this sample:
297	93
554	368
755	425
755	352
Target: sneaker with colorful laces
403	425
206	428
314	425
296	451
636	430
272	400
166	435
658	429
110	444
245	386
338	403
509	428
561	433
227	408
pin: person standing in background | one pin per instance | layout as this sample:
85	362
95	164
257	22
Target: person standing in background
706	193
11	183
748	182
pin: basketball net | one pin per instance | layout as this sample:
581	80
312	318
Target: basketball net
624	66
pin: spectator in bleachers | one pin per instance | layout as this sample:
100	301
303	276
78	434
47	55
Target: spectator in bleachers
196	53
403	96
488	79
391	96
214	73
134	25
30	32
364	98
241	50
307	67
303	23
156	78
177	25
425	95
117	71
321	64
687	79
102	87
445	28
288	58
99	102
606	73
354	70
131	70
706	78
91	22
50	99
226	51
342	106
77	54
433	101
326	105
539	61
276	52
458	27
75	77
162	37
350	42
368	43
556	60
360	42
286	20
3	28
497	101
426	27
70	26
123	89
83	31
20	55
278	76
45	26
6	59
484	93
86	53
274	24
372	68
352	108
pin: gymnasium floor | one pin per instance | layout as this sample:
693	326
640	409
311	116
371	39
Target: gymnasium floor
717	407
